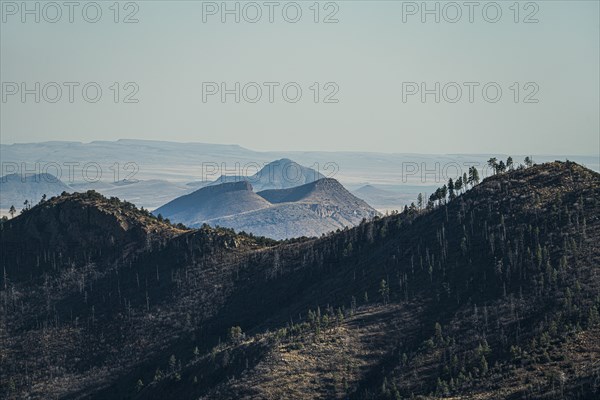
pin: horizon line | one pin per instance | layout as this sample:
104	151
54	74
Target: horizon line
288	151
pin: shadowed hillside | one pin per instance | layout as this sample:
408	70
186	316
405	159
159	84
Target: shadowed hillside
491	295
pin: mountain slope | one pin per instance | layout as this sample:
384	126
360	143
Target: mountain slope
76	228
308	210
283	174
278	174
492	295
211	202
326	190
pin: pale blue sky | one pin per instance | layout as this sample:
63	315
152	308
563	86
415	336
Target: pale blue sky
369	53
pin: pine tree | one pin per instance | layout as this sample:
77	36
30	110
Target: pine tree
493	163
510	163
439	339
451	189
483	365
340	316
443	193
459	184
434	197
384	290
235	334
473	176
12	211
420	201
158	375
501	167
172	363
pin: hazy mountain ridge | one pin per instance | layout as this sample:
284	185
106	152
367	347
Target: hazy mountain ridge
308	210
278	174
386	199
507	270
151	193
323	190
16	188
182	163
211	202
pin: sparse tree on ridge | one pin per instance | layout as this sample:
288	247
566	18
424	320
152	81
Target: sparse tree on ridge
430	203
433	198
528	161
12	211
473	176
501	167
510	163
458	185
436	196
26	206
493	163
451	188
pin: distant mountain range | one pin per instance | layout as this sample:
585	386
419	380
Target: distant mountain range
292	200
280	174
15	189
183	163
383	199
308	210
149	193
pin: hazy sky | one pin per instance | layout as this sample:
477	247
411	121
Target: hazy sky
375	54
